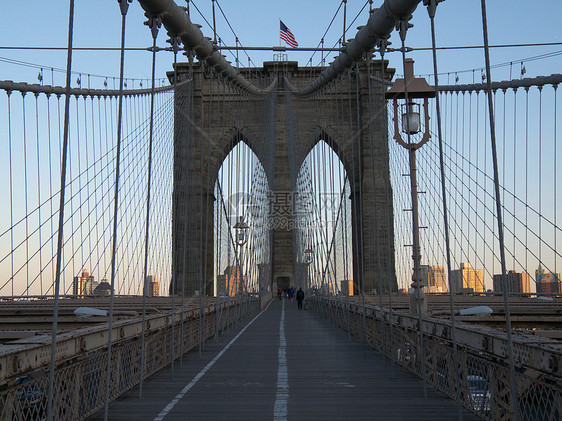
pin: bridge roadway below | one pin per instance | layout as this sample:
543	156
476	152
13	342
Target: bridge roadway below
240	377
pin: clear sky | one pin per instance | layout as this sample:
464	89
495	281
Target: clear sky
256	22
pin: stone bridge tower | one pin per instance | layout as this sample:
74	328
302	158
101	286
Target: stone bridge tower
211	118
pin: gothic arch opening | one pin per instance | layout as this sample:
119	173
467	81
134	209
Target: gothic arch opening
323	228
242	246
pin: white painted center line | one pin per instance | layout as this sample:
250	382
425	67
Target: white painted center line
280	408
182	393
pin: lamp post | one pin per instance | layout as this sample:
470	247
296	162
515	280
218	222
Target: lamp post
241	238
308	259
408	89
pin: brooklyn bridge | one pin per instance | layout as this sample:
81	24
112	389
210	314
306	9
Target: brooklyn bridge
338	238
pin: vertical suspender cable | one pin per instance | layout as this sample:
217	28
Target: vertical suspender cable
78	142
465	178
515	177
526	178
11	193
88	195
50	414
50	185
482	257
476	185
124	6
39	193
555	196
153	24
504	155
25	172
72	202
539	175
431	11
456	147
108	128
514	400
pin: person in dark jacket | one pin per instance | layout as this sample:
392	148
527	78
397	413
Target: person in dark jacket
300	298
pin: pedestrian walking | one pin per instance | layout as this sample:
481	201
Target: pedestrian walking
300	298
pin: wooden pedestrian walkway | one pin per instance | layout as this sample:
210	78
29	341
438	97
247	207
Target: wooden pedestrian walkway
284	365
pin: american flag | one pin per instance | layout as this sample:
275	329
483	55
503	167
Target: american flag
287	36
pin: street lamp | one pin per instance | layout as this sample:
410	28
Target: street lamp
241	233
408	89
308	255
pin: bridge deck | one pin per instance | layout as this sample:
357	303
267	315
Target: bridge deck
329	377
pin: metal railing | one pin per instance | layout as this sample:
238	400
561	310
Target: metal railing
482	359
80	378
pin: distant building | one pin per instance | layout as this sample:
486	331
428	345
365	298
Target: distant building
81	283
347	287
548	282
264	277
434	278
467	279
231	282
516	282
90	286
103	289
152	287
